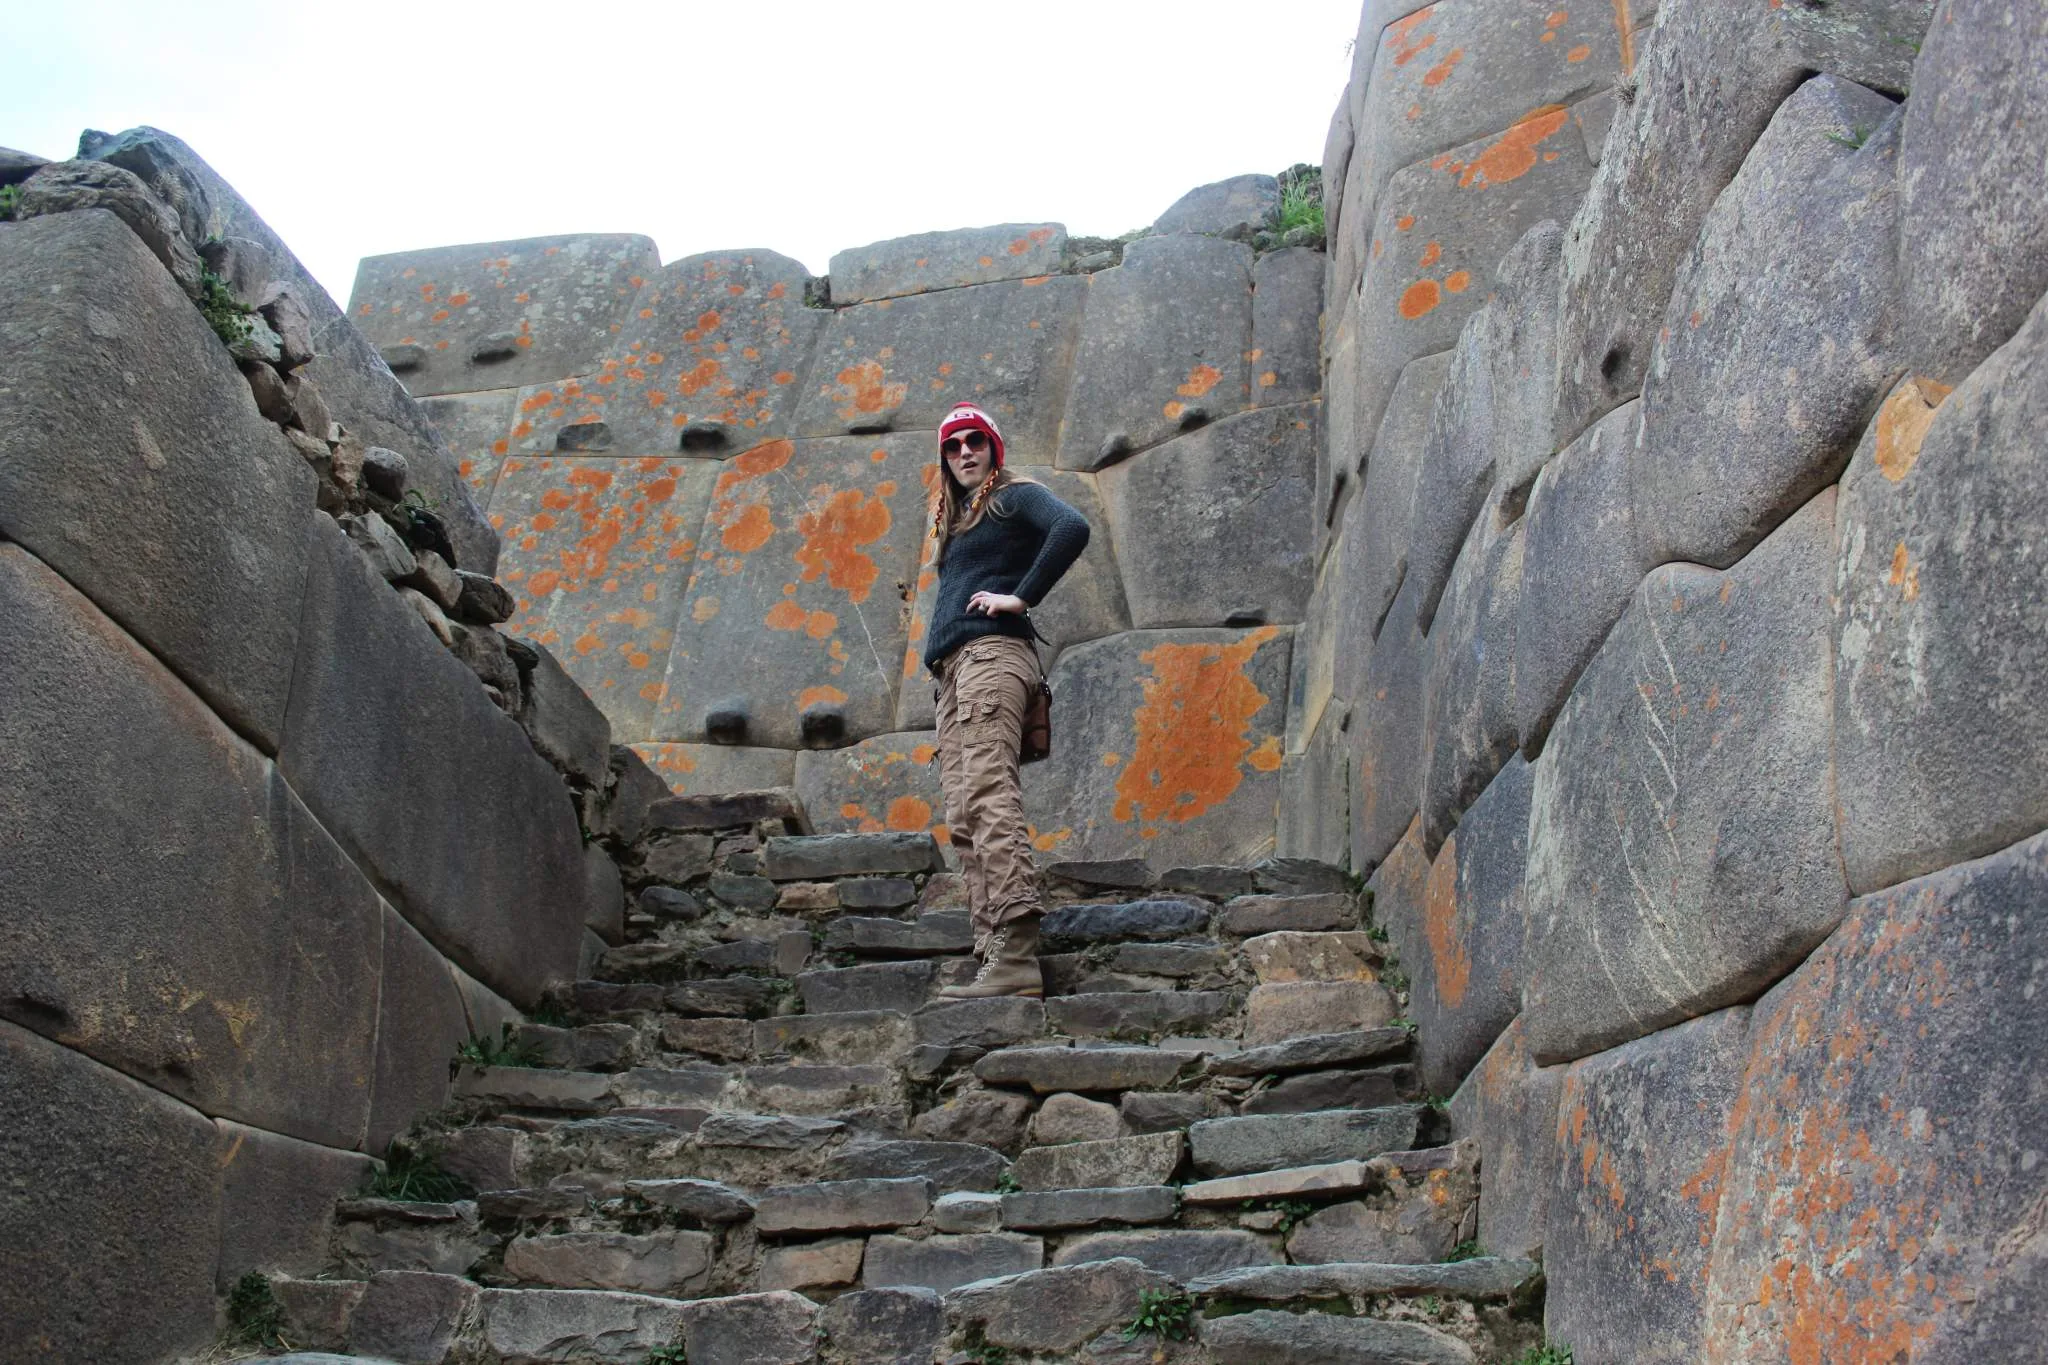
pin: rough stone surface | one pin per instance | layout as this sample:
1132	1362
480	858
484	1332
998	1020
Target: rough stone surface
778	1328
1275	1013
705	1201
277	1200
946	260
1971	241
715	769
862	1036
666	1262
992	1118
565	726
1073	1118
1193	521
530	1325
1166	333
1058	1308
1088	1207
1185	1254
1509	1105
1233	1146
967	1211
1468	714
1149	1159
1313	1051
950	1166
841	525
1580	567
1917	1131
940	933
943	1263
67	187
1287	299
1701	727
1367	1089
1386	740
1148	1112
1269	1337
1147	920
1629	1122
420	1023
1048	1070
1247	916
899	986
837	1204
1939	622
1390	467
210	497
809	1265
1289	956
901	1326
1099	1014
401	800
1177	754
278	929
1809	224
94	1157
1229	208
886	782
1415	1216
807	857
1464	972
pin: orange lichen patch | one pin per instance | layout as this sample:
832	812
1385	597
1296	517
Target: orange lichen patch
705	609
1405	221
1266	758
1432	253
1905	575
1458	281
750	532
1903	422
1625	26
1579	53
853	810
813	696
1173	409
1514	153
820	624
785	615
1556	19
589	642
864	388
1046	843
1193	729
1200	380
1402	39
909	813
833	536
923	753
1419	298
1268	378
1451	963
1441	72
1111	760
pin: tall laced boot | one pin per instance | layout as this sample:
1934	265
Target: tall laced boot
1010	966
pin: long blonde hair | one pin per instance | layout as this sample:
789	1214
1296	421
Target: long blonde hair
955	511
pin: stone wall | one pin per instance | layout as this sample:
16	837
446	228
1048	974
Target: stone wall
711	481
1679	601
270	850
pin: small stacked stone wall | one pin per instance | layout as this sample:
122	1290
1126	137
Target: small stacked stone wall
711	480
1679	599
285	819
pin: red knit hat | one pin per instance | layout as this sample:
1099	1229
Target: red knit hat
966	416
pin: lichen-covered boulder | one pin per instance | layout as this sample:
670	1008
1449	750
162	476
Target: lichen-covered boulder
946	260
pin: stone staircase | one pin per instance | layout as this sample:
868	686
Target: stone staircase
756	1135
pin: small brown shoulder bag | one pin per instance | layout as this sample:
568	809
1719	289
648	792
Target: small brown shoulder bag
1037	740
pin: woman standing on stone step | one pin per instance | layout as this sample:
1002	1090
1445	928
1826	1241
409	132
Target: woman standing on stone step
1003	542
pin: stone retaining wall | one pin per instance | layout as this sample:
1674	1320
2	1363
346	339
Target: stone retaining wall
1669	662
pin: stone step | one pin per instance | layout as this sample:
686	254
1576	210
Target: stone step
1271	1142
937	933
1047	1070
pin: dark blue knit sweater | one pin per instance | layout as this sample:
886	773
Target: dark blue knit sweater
1021	546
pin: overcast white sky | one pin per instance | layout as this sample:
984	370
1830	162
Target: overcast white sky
364	126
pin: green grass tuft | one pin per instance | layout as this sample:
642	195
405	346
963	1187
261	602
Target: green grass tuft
1162	1313
226	314
503	1050
255	1317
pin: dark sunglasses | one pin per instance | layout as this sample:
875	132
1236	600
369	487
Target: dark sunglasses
974	441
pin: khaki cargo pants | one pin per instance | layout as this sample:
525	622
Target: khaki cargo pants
984	687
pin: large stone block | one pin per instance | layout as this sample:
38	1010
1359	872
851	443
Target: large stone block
715	769
533	1325
1973	241
1269	1336
1468	714
1509	1105
1420	1207
598	554
889	782
133	462
1643	1137
1883	1192
1580	567
1227	208
1271	1142
1167	333
1710	76
1315	795
1184	1253
1287	305
1398	888
355	385
110	1216
944	1263
420	1024
1440	229
1387	733
1778	342
1212	526
1345	439
477	428
496	315
1486	430
1682	846
708	360
1104	1164
946	260
1465	976
1375	561
797	600
277	1200
901	364
438	794
140	831
901	1326
1942	622
1175	758
1056	1309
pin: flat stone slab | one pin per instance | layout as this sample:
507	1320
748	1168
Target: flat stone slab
1372	1088
1056	1309
942	933
1249	916
1108	1163
944	1262
1051	1069
1120	1013
535	1088
1184	1253
1148	920
771	1132
553	299
842	1205
1167	333
776	1328
893	986
901	364
993	1023
815	856
539	1324
946	260
1051	1209
1234	207
860	1036
706	1201
1124	874
1294	956
1287	304
1483	1279
1332	1177
1238	1146
666	1262
950	1166
1314	1051
1275	1013
897	1324
1177	756
687	769
1191	520
1268	1337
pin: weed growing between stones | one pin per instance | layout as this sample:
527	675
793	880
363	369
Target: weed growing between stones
409	1176
1006	1183
1301	203
1162	1313
1546	1354
668	1355
981	1351
10	200
1467	1250
504	1050
226	314
1291	1211
255	1317
1858	135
